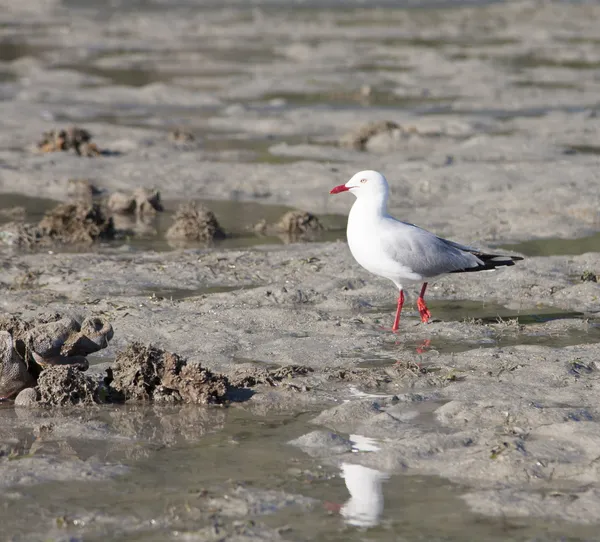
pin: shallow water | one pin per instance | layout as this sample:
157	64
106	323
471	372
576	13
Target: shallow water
556	246
505	328
238	219
485	312
193	472
177	294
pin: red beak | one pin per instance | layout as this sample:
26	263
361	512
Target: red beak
338	189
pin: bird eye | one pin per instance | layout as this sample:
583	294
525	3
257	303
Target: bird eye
363	180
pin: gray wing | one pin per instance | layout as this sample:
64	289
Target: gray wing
423	252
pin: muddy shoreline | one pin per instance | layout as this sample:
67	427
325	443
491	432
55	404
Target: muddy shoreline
485	120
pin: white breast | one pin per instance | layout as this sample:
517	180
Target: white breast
364	240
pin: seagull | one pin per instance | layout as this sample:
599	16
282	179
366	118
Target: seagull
400	251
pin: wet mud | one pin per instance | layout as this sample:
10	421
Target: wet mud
238	363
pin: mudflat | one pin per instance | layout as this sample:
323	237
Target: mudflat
201	356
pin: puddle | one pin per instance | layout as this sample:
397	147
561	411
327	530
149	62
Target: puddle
252	480
556	246
258	147
236	217
582	149
493	337
128	77
532	61
527	337
487	313
14	50
177	294
350	100
33	208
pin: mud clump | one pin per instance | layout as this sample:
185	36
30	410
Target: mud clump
248	376
294	224
358	139
142	202
72	138
298	222
79	222
589	276
181	136
74	223
195	223
146	373
66	385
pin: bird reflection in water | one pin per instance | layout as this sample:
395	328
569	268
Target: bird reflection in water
365	506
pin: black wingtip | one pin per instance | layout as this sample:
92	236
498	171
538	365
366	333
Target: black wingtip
490	261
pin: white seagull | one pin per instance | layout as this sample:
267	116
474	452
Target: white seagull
403	252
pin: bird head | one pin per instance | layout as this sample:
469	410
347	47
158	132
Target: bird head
363	183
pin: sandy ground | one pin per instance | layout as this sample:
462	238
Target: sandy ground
497	134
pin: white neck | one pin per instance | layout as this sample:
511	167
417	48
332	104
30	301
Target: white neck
376	205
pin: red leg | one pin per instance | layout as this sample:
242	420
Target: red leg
423	310
398	311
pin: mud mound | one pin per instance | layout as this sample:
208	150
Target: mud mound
67	385
181	136
195	223
358	139
19	235
72	138
146	373
295	224
248	376
80	222
298	222
74	223
141	202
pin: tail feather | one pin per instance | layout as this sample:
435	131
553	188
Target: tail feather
489	262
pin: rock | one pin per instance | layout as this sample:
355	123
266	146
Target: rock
48	339
14	375
27	398
322	443
26	348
